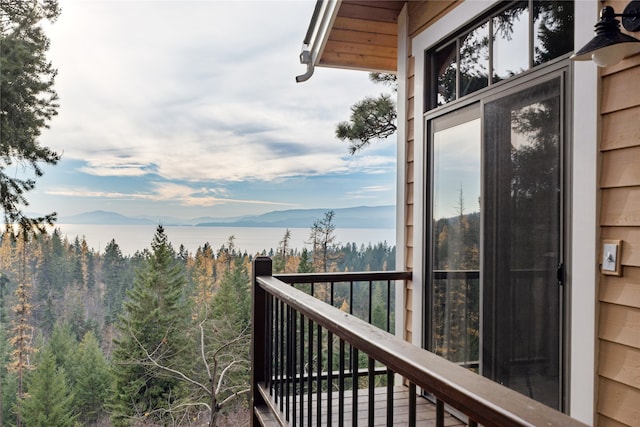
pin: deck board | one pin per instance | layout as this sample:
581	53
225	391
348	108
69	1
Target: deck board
425	410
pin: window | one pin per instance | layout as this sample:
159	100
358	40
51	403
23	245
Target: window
496	198
514	39
495	291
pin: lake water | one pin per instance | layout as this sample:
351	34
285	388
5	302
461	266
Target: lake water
132	238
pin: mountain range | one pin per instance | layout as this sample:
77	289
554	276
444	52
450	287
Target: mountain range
355	217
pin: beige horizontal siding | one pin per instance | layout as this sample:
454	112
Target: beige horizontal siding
620	363
621	167
619	402
622	290
619	324
620	207
620	129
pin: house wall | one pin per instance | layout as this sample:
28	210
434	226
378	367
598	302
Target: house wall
619	297
420	15
617	326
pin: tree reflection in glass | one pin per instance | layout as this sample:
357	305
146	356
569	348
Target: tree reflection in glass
456	239
553	29
511	41
462	65
474	60
446	66
522	242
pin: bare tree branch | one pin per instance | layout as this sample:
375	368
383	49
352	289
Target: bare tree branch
213	407
224	371
233	396
166	368
204	358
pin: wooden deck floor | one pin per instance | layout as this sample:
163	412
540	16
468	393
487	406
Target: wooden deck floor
425	410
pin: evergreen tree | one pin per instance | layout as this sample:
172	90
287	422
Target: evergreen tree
228	252
93	380
232	301
322	239
115	280
7	254
202	276
305	265
78	267
27	104
49	401
63	345
8	380
231	318
280	259
153	324
21	335
371	118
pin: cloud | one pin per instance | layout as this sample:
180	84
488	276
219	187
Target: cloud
369	192
197	91
167	192
190	108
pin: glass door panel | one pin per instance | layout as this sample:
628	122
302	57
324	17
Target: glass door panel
455	291
521	314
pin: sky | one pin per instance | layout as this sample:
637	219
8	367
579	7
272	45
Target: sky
189	109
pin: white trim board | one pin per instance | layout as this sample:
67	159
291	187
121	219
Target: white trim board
584	208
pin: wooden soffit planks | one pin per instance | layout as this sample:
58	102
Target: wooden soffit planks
364	36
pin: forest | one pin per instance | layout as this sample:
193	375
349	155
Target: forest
157	338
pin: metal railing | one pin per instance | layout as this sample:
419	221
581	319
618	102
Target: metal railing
313	364
369	296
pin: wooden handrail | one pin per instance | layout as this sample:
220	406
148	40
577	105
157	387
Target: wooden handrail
365	276
483	400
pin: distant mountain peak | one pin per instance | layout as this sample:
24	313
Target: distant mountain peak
352	217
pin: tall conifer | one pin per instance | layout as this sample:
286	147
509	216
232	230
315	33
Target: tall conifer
93	380
21	337
153	325
49	401
114	277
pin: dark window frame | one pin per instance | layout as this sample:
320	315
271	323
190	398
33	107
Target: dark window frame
432	74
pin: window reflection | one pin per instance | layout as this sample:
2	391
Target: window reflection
456	233
511	41
474	60
522	242
526	34
445	69
553	29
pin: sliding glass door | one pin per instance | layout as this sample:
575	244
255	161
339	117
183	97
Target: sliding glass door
496	238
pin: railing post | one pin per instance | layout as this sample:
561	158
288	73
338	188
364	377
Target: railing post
259	333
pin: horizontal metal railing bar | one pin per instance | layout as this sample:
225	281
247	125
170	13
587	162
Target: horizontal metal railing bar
483	400
475	274
362	372
374	276
456	274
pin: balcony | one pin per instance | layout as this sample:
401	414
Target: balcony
323	354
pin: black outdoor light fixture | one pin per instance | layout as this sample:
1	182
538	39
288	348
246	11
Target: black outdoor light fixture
610	46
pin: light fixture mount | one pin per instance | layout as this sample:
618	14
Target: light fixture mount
631	16
610	45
